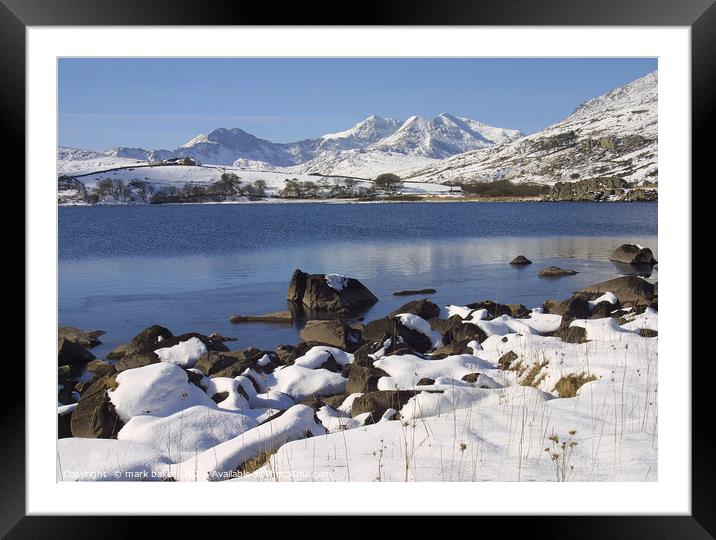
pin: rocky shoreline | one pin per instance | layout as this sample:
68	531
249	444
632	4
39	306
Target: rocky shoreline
191	408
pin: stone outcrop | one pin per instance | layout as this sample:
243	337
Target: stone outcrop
332	333
632	254
556	271
328	293
628	289
610	188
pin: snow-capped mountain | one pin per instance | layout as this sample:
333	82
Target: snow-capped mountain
374	144
439	138
414	143
614	134
364	133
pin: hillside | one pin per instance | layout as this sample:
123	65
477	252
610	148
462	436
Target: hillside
613	135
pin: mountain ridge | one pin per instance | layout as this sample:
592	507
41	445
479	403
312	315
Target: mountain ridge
438	138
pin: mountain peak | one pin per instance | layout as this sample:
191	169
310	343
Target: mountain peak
643	90
370	129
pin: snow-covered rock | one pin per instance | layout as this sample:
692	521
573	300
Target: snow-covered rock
157	389
184	354
190	430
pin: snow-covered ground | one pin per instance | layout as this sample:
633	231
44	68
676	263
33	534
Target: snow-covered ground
482	417
204	175
470	433
74	161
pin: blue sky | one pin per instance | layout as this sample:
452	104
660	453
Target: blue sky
162	103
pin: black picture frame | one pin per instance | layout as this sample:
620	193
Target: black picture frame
699	15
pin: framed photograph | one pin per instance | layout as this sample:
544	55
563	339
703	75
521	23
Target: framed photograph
403	264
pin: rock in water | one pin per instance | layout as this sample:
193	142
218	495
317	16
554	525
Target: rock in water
328	293
556	271
410	292
84	338
632	254
275	317
72	354
520	259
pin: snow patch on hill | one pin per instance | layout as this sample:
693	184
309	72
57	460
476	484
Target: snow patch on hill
611	135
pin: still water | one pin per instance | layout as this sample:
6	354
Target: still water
190	267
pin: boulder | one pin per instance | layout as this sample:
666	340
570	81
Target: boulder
632	254
84	338
575	307
216	336
417	341
314	402
234	363
143	343
443	326
363	379
328	293
424	309
572	334
603	310
519	311
453	348
100	367
332	333
283	352
549	305
648	332
64	425
454	329
556	271
211	344
495	309
67	378
66	391
331	364
472	378
520	259
465	332
506	360
334	401
361	357
95	416
219	397
72	354
426	381
135	361
631	289
378	402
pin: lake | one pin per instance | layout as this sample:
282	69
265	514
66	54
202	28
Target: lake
190	267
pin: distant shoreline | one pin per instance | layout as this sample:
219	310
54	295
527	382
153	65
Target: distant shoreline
420	199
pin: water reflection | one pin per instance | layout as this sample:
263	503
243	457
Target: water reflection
642	270
122	295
